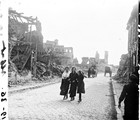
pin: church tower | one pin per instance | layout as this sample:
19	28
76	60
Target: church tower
97	56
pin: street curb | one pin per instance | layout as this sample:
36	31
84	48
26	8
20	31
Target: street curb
119	113
32	87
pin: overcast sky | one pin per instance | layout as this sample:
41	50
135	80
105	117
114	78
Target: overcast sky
86	25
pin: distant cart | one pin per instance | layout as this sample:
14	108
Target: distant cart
92	72
108	70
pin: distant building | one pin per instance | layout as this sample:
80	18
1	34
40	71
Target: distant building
75	61
52	43
94	61
91	61
102	61
68	53
65	53
97	56
85	60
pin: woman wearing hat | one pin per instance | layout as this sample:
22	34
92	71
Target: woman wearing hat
130	95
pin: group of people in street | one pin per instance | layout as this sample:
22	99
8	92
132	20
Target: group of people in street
72	83
130	96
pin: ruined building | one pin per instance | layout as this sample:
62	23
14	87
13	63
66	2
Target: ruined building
27	52
133	42
89	61
63	55
85	60
129	61
23	41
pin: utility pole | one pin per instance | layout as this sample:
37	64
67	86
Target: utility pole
32	53
35	59
35	54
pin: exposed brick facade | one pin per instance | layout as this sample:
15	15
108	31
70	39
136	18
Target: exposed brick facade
132	27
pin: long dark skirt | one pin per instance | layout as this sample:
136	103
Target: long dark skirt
73	88
81	88
64	87
130	112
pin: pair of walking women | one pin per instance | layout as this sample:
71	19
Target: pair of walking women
72	82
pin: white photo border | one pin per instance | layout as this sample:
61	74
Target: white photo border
3	60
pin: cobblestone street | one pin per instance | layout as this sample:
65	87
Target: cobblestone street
46	104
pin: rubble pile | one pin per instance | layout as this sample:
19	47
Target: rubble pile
26	52
123	69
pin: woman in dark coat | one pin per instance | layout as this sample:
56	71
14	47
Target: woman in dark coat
73	81
130	95
81	85
89	72
65	83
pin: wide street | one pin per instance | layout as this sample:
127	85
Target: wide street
46	104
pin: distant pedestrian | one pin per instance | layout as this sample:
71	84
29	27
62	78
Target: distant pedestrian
130	95
65	83
81	85
73	83
89	72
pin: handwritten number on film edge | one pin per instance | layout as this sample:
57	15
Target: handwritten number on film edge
4	48
3	65
3	61
2	95
3	114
